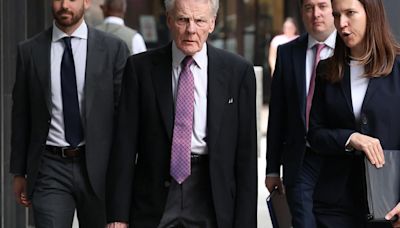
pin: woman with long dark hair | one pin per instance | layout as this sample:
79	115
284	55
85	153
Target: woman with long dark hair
355	110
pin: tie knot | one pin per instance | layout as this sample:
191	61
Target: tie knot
67	42
187	61
319	47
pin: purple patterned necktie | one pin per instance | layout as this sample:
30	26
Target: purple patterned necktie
310	94
183	125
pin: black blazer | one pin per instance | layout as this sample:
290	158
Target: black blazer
286	135
332	122
139	169
31	109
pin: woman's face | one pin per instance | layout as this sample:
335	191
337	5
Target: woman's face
351	23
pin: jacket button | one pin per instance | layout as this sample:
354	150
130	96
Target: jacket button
167	184
364	120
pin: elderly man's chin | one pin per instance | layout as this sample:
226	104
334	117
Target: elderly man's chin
190	48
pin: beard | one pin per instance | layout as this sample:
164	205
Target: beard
66	18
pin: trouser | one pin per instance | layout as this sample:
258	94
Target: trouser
190	204
62	186
300	195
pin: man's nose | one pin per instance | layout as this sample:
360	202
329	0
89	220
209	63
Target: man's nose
191	26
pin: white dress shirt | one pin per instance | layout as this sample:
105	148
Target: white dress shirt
325	53
56	136
199	71
138	44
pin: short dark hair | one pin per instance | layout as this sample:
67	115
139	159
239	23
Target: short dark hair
116	5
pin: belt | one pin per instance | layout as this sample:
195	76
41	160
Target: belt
198	158
66	152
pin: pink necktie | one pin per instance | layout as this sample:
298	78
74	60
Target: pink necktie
310	94
183	125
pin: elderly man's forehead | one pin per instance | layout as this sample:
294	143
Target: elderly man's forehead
195	1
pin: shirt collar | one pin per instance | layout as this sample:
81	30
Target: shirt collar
81	32
330	41
200	57
114	20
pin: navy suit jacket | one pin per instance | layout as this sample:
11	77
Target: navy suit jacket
332	122
286	135
139	169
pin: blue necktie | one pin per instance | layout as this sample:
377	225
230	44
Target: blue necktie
72	118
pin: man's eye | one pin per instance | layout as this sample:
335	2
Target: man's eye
200	21
308	8
323	6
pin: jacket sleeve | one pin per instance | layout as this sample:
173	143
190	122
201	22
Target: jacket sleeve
122	158
324	133
277	112
20	124
246	158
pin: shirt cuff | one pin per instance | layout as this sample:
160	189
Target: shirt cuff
273	175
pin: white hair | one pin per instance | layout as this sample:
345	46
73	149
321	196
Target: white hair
170	4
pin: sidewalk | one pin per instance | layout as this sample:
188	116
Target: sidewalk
264	220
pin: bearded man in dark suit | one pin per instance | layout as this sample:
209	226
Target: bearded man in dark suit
66	91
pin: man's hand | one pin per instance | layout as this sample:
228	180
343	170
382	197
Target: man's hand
117	225
274	182
19	187
370	146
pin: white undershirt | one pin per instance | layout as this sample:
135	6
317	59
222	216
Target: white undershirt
359	85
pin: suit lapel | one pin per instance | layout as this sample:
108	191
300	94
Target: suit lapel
373	86
299	60
346	88
41	57
162	79
95	55
217	94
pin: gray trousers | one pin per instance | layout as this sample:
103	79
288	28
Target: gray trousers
190	204
61	187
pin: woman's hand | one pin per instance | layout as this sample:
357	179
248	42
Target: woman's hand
370	146
395	211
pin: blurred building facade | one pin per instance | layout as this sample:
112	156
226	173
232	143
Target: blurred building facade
243	26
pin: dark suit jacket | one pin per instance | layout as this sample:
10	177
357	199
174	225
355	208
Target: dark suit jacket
31	109
139	172
332	122
286	135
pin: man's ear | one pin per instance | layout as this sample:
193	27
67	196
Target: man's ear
170	19
212	24
87	4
